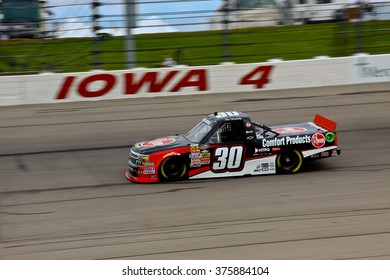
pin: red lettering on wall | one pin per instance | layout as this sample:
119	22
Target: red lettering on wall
151	78
194	78
65	87
257	77
109	84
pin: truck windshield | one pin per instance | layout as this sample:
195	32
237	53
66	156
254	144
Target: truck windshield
198	132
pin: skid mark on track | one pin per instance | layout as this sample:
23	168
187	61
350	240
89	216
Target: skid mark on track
244	245
99	197
25	214
21	165
67	188
136	242
385	256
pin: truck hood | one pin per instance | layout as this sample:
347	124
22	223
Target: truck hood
160	144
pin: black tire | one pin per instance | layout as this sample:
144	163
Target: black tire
290	161
173	169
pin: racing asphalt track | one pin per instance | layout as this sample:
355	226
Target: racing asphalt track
63	194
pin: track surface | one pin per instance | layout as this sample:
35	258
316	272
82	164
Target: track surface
63	194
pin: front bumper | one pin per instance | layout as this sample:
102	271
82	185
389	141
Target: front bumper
141	174
141	170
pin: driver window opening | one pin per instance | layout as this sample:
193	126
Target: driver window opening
229	132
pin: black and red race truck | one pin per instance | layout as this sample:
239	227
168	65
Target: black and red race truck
226	144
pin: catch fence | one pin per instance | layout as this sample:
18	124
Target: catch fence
86	35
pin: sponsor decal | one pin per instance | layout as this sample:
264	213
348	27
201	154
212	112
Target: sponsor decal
149	170
329	137
158	142
258	168
196	162
205	155
264	167
171	154
371	68
318	140
203	147
194	155
325	154
287	140
287	130
276	149
148	163
194	148
262	150
204	161
334	152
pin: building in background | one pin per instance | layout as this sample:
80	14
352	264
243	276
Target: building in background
24	19
257	13
245	13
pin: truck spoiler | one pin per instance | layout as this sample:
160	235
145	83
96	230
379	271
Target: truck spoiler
325	123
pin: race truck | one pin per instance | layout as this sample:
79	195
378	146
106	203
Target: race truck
226	144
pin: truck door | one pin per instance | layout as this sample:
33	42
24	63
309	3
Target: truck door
229	155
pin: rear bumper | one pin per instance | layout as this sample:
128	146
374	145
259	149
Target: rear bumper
322	152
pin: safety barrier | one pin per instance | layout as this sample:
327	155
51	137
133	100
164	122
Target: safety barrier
181	80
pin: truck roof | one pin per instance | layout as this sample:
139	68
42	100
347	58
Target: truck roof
223	116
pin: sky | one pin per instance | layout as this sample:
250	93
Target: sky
154	16
74	16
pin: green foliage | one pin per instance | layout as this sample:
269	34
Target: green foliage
198	48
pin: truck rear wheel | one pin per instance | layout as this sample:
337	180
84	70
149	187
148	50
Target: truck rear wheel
290	161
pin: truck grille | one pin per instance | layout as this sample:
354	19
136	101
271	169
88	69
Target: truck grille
135	159
134	162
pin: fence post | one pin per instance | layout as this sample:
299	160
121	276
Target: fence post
225	32
359	26
96	28
129	40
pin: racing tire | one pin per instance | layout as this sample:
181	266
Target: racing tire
290	161
173	169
